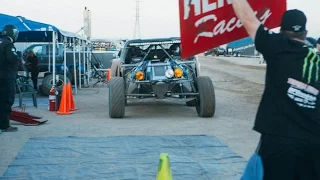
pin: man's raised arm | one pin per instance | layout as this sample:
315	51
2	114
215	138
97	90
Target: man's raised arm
247	17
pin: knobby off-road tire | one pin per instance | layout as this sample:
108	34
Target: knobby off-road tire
117	97
206	103
47	83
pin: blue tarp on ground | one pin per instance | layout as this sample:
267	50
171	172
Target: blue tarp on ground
33	31
124	158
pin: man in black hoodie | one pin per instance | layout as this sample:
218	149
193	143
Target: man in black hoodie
9	62
288	117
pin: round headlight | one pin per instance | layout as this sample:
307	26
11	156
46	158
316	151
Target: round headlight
139	75
169	73
178	73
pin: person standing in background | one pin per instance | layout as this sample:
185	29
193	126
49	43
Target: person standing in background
32	59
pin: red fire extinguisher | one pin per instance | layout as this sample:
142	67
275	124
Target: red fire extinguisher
52	99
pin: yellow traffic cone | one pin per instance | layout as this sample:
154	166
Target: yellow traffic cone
164	170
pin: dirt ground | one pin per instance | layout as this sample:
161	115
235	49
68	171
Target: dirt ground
238	92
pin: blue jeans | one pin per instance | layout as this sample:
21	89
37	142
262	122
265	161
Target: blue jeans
254	169
282	158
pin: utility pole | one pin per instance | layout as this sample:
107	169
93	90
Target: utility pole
137	33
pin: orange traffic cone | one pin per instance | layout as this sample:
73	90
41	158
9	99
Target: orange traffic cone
64	108
108	75
70	98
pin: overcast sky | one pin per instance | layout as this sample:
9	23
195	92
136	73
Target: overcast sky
116	18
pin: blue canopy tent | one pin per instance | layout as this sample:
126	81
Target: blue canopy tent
7	19
32	31
41	32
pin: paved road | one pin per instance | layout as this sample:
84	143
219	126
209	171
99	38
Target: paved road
238	92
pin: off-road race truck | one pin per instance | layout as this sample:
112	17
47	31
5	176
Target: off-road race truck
153	68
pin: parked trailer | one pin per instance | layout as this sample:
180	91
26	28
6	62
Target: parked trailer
242	47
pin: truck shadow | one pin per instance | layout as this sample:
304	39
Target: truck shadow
159	108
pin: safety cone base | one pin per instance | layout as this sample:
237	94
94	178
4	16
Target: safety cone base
64	113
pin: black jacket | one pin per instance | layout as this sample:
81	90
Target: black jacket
9	60
33	63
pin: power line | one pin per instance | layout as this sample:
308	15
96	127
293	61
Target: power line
137	33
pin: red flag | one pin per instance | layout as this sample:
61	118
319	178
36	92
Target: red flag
206	24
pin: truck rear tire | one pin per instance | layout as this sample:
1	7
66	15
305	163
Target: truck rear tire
48	81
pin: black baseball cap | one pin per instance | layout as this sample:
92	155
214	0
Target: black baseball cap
318	42
294	20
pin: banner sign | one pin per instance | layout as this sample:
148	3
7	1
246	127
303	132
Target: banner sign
206	24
